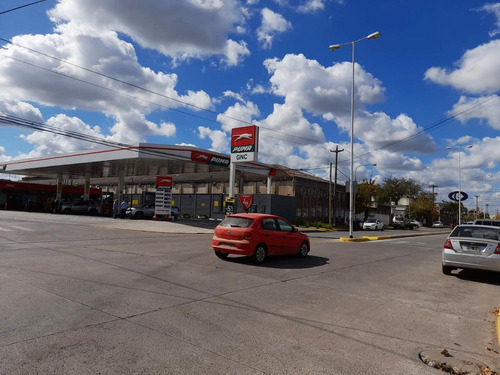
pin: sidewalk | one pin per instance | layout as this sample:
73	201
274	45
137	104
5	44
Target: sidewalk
199	226
183	226
187	226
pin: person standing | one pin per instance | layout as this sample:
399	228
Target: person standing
115	208
124	207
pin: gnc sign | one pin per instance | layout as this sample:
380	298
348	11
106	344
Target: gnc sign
244	144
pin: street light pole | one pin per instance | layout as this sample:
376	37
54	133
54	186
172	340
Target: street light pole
330	207
332	48
459	182
362	165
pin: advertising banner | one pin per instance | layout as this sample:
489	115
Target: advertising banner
229	206
207	158
244	144
246	201
163	196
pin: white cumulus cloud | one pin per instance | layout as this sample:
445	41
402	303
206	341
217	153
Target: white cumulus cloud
477	72
176	28
272	24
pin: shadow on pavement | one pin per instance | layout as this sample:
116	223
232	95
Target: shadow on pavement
480	276
282	262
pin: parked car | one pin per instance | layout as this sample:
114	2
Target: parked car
147	210
373	224
416	223
258	236
437	224
80	207
472	246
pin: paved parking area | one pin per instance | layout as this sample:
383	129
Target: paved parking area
78	296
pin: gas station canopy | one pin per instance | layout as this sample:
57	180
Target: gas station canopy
142	160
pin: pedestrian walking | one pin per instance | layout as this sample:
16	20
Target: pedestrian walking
124	207
115	208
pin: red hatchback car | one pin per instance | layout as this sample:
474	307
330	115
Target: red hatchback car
258	235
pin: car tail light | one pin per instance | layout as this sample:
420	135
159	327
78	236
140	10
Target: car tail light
497	250
448	245
248	235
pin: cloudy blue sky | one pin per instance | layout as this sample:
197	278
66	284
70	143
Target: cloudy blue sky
188	71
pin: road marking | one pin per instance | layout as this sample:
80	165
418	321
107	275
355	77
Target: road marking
22	228
16	227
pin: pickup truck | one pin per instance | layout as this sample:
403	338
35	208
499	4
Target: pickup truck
402	223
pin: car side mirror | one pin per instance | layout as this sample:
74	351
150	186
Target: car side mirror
295	229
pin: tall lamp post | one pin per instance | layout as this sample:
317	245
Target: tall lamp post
332	48
330	208
459	181
362	165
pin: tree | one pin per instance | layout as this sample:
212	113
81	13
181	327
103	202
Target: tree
366	190
396	188
424	208
451	210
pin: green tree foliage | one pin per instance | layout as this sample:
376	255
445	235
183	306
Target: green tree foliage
451	208
423	207
393	189
366	190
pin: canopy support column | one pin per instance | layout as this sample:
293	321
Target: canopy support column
121	185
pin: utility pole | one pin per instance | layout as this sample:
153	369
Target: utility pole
477	206
330	209
433	187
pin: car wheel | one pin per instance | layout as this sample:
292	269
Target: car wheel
93	212
447	269
221	255
67	211
139	215
260	253
303	250
382	228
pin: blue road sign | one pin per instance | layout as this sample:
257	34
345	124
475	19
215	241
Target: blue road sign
455	196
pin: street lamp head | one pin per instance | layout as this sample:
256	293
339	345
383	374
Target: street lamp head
374	164
334	47
468	146
449	148
375	35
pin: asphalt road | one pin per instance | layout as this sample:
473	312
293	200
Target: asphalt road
79	296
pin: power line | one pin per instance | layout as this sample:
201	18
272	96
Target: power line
39	126
429	128
22	6
282	134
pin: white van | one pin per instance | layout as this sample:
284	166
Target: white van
495	223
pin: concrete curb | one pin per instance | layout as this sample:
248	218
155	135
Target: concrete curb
498	328
377	238
360	239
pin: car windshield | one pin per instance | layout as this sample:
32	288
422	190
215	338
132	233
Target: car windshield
371	221
477	232
240	222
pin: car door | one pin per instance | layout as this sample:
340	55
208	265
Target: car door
289	238
271	236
